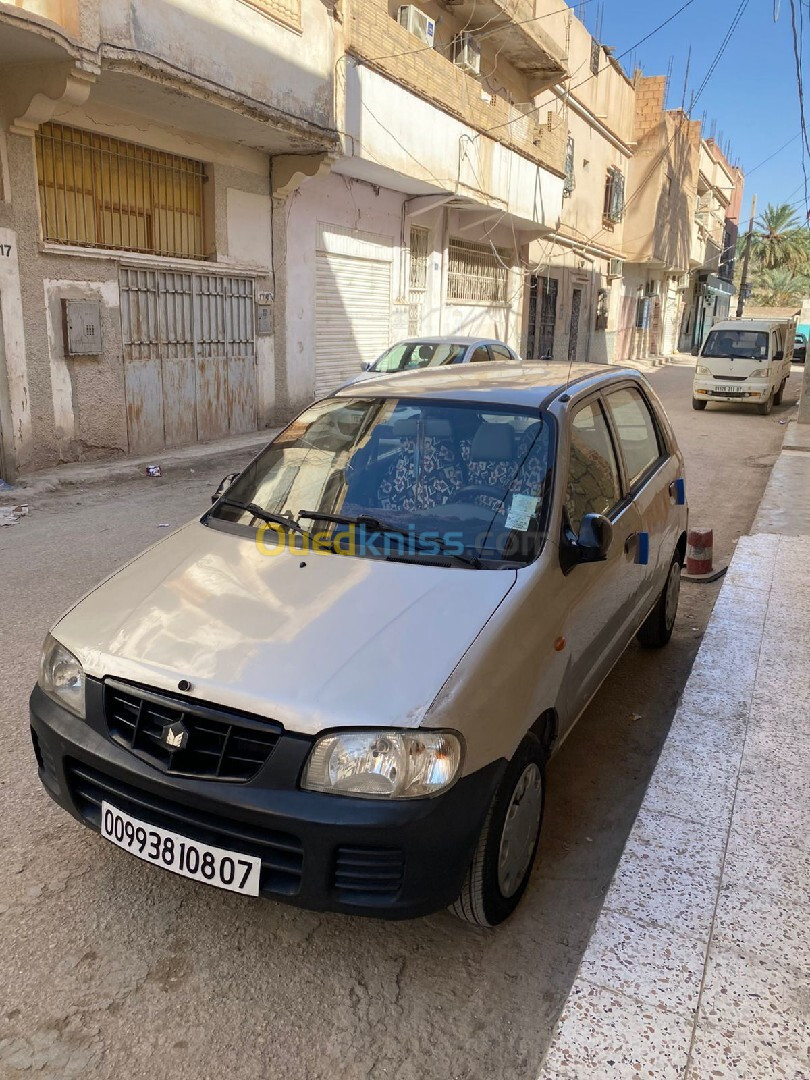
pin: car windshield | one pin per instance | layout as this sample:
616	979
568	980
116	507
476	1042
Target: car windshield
737	344
419	354
443	481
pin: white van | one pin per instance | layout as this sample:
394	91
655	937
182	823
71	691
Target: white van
745	360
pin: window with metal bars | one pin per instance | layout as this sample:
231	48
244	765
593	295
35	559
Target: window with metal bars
613	210
477	274
98	191
569	183
596	56
420	240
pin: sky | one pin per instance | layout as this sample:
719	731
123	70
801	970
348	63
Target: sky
752	94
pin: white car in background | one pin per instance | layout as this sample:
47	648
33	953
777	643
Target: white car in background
414	354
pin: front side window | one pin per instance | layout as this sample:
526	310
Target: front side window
593	478
392	478
409	355
737	344
97	191
635	428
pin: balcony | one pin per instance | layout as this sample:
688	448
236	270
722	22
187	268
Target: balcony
514	30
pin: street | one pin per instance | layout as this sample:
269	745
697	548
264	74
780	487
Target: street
112	969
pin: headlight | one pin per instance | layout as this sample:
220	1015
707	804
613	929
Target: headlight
760	373
701	370
384	764
61	676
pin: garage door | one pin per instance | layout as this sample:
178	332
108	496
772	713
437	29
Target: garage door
352	303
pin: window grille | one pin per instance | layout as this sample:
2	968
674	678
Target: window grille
420	239
476	273
98	191
614	197
596	56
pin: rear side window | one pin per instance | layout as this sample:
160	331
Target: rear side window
638	437
480	356
500	352
593	479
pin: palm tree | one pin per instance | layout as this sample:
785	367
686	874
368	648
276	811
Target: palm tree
780	288
779	240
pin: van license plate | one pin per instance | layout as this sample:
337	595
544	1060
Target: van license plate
212	865
728	390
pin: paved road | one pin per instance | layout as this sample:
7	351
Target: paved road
111	969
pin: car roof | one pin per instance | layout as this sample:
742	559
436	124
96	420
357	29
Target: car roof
750	324
447	339
526	385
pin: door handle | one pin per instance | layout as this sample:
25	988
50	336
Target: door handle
640	542
631	542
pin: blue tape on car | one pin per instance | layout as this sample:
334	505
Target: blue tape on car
643	549
680	491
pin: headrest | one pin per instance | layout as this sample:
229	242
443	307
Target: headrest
493	442
436	429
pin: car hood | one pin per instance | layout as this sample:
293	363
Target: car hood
312	641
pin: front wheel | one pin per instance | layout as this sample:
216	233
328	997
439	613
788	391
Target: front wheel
699	404
764	407
656	630
504	856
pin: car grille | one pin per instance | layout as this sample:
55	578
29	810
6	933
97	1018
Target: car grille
220	745
730	378
281	853
368	875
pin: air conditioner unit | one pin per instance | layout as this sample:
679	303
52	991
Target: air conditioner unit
467	54
615	268
418	23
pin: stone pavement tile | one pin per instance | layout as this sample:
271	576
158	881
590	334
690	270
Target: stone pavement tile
606	1036
668	896
764	814
783	869
722	1054
781	715
658	966
754	563
779	676
727	705
763	922
776	779
693	785
753	994
718	734
741	608
722	662
785	743
666	840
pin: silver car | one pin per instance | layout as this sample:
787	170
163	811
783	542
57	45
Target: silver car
414	354
340	687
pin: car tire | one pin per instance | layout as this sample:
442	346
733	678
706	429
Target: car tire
764	407
656	630
698	404
499	872
777	397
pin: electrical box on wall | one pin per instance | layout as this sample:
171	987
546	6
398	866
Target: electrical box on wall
82	325
264	319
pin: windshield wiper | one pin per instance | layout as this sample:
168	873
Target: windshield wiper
266	515
376	525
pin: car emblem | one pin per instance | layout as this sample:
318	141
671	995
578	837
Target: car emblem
175	736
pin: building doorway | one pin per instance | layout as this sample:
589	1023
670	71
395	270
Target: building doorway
573	336
542	317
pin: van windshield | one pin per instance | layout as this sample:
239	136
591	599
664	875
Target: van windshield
408	479
737	344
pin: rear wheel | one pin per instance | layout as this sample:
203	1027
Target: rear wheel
764	407
699	404
656	630
777	397
504	856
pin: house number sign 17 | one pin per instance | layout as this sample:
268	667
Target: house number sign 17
5	249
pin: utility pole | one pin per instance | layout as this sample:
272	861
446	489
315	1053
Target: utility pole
746	259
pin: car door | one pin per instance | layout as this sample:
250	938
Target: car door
598	598
649	470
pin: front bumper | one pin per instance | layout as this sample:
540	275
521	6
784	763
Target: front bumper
395	860
750	390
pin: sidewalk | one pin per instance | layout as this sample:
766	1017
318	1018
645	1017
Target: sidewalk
129	468
699	964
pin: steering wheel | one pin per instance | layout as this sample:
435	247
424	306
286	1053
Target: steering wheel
469	491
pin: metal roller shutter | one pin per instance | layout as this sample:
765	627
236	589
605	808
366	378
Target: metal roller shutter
353	303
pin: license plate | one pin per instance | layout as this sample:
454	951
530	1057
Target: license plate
728	390
212	865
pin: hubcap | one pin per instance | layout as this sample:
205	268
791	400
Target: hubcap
672	594
520	830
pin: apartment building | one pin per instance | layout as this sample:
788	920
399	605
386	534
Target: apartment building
447	170
574	282
710	288
137	282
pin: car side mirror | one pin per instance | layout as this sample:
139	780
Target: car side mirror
595	538
224	484
779	355
366	365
